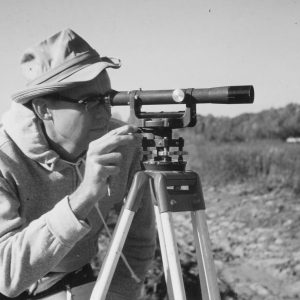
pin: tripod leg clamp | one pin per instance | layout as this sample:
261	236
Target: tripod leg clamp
136	191
177	191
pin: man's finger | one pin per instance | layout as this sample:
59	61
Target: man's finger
126	129
107	144
113	158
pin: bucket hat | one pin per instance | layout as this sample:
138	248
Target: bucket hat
58	63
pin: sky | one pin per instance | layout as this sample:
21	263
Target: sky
168	44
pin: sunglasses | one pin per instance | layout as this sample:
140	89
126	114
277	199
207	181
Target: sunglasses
87	102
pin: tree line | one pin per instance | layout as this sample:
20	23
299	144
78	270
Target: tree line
279	123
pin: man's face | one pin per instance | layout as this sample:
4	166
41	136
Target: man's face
74	126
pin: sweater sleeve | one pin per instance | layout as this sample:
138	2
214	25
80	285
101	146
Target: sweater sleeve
28	251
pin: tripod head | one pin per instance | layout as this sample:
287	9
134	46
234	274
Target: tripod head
157	126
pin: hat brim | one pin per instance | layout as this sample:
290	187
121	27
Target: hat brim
84	75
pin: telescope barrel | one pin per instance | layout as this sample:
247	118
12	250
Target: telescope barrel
225	95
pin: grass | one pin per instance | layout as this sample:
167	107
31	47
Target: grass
272	162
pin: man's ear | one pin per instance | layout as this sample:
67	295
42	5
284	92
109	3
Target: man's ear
41	108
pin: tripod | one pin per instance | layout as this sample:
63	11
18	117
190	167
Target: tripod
172	190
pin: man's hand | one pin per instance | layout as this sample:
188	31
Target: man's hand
103	160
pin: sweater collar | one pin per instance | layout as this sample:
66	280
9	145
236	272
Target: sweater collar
25	129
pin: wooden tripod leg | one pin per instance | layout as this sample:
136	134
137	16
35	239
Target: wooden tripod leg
207	273
163	250
175	273
119	237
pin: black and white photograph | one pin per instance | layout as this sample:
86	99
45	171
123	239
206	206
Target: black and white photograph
150	150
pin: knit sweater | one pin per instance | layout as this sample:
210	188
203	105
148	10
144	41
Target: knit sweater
40	236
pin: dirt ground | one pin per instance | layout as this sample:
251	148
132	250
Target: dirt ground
255	235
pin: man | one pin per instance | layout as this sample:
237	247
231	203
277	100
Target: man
64	165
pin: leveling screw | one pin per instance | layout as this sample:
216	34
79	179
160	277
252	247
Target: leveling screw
173	202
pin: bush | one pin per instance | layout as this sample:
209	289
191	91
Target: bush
274	162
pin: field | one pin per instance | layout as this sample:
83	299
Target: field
255	240
251	191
